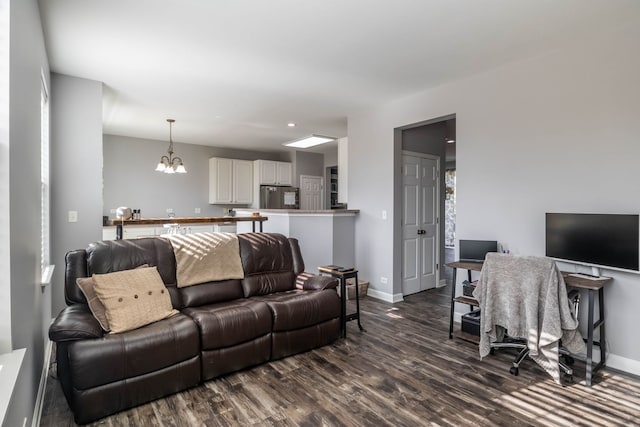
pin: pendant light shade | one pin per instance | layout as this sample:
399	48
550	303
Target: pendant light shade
171	164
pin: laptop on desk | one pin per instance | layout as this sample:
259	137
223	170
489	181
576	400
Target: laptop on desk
476	250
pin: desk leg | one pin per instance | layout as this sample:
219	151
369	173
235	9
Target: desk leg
253	226
453	295
589	361
343	307
358	303
603	340
261	226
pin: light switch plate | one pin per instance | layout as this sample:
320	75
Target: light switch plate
197	210
73	216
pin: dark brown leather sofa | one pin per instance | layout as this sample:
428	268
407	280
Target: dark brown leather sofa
276	310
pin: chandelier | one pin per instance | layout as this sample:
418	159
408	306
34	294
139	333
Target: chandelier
170	164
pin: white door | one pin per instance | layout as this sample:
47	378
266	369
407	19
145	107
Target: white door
311	192
420	230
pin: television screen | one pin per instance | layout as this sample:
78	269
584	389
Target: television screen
605	240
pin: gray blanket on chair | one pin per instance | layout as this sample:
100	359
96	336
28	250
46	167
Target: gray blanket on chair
527	297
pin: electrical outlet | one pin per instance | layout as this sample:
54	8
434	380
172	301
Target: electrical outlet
113	211
73	216
384	214
197	210
169	210
384	280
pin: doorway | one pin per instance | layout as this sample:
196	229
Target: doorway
311	192
420	221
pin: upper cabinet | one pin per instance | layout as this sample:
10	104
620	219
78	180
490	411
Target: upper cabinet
270	172
230	181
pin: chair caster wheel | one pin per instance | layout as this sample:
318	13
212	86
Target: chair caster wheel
568	379
514	371
569	360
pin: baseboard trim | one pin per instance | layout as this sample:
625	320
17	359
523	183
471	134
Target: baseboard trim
37	410
384	296
623	364
442	283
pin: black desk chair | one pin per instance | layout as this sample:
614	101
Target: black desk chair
525	306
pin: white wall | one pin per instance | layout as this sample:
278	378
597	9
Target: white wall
558	132
76	170
27	61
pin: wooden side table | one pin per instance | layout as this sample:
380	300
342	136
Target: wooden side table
343	275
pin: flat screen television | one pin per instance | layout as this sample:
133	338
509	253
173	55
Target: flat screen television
610	241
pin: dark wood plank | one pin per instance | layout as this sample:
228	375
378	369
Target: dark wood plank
403	371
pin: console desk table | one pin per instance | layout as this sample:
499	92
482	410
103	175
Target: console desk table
590	285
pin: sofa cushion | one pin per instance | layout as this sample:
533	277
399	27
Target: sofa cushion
205	257
211	293
133	298
298	309
230	323
115	357
116	255
268	263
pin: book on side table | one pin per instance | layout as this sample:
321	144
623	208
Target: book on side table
335	268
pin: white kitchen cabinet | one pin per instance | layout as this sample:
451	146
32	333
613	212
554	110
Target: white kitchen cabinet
283	173
136	232
270	172
109	233
230	181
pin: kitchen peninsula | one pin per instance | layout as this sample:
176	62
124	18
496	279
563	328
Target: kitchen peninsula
326	237
146	227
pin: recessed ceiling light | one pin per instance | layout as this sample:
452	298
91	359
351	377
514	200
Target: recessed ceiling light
309	141
291	125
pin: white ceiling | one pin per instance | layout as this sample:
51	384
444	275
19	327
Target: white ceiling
233	73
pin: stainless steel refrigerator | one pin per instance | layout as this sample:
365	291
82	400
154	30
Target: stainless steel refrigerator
274	197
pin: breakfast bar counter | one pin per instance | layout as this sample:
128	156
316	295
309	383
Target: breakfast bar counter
148	227
189	220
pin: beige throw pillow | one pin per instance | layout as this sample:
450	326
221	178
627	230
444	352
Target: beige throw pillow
133	298
97	308
95	305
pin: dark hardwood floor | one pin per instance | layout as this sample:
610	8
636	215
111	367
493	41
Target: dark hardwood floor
404	371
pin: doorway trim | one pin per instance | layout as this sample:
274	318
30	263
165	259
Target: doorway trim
397	204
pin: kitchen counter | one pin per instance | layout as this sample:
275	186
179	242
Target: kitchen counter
188	220
245	212
148	227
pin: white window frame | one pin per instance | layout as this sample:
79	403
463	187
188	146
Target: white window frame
45	199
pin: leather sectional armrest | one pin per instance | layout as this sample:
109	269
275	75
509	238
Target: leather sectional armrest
75	322
312	282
